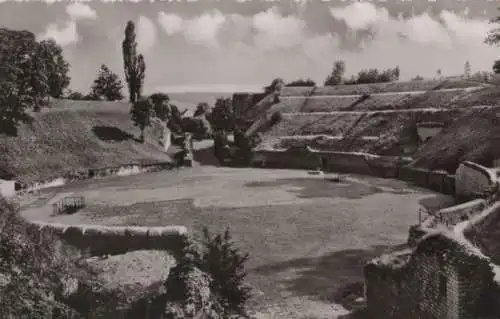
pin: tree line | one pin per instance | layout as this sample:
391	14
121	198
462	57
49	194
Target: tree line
34	71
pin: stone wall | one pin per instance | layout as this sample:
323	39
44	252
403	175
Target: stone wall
110	240
358	163
453	215
345	162
440	278
146	166
288	159
439	181
473	180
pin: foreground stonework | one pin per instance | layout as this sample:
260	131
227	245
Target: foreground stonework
437	279
441	275
473	180
114	240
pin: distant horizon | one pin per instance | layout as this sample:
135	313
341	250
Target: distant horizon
207	88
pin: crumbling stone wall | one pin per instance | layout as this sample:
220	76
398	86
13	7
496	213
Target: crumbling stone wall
439	279
472	180
113	240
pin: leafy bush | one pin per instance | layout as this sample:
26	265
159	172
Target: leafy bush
37	271
208	281
226	264
301	82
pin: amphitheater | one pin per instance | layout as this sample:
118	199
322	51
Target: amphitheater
309	238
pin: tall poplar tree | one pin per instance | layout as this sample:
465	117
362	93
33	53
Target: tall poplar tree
134	64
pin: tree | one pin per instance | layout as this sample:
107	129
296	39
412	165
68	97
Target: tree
201	109
23	82
141	115
417	78
496	67
276	85
493	36
161	107
222	117
107	85
134	64
467	69
174	123
301	83
74	95
56	67
337	74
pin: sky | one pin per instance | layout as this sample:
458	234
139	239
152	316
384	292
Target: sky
241	45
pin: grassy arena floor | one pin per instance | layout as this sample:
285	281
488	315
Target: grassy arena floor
308	238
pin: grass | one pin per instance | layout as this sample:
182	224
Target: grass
296	229
423	85
390	128
448	107
390	101
473	136
74	135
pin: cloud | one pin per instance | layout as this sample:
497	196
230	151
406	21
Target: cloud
63	36
276	31
146	34
360	15
170	23
200	30
420	43
68	34
78	10
203	29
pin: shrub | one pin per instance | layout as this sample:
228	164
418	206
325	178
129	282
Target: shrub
301	83
37	271
208	281
225	263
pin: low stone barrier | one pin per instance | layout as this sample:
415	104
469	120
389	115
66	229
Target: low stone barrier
358	163
439	181
345	162
114	240
93	173
455	214
473	180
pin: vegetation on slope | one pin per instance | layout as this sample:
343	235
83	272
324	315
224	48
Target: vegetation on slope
37	272
374	132
72	136
474	136
377	133
358	89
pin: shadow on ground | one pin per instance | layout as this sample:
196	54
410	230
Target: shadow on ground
318	188
333	278
112	134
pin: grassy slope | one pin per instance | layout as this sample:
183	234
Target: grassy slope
63	139
399	86
389	127
475	136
